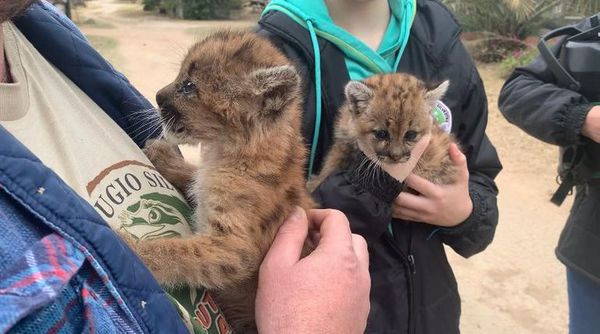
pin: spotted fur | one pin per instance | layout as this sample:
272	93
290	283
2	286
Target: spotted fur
389	113
238	96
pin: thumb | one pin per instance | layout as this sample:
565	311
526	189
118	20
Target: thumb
421	146
289	241
459	160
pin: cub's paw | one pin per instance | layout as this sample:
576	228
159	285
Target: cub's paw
161	154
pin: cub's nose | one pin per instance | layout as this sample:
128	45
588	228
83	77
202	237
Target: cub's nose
400	157
161	98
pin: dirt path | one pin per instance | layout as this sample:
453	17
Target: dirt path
150	47
515	286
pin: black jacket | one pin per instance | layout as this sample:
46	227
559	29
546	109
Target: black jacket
532	100
413	287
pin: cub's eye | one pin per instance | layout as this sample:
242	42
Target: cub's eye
381	134
187	87
410	135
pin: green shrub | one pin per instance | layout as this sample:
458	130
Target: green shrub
151	4
209	9
194	9
510	18
508	22
518	59
495	49
517	18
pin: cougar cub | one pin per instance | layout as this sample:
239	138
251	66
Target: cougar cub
389	113
238	96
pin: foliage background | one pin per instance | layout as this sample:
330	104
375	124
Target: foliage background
517	18
194	9
503	26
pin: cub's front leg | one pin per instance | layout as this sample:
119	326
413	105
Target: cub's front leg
202	260
170	164
339	157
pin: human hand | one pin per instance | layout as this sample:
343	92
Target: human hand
324	292
400	171
442	205
591	125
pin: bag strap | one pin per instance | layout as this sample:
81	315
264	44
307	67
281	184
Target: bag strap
564	189
563	77
595	20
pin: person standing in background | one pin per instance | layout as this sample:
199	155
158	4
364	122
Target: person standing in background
335	41
533	100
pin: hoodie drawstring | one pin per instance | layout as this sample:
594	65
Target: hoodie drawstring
317	55
409	9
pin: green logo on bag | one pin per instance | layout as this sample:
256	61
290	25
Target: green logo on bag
155	216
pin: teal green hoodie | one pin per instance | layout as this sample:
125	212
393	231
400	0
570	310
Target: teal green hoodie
361	60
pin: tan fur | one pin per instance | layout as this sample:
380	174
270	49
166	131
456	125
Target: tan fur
245	109
396	103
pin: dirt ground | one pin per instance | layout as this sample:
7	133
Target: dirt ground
515	286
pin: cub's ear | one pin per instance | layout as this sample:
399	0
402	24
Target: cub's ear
277	86
437	93
358	96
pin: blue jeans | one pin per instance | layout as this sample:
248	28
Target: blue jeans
584	304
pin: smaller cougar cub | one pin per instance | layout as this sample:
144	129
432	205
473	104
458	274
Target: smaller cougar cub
389	114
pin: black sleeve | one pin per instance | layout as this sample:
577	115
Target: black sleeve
531	100
476	233
366	201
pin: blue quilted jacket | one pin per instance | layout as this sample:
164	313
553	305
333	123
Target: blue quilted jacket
55	250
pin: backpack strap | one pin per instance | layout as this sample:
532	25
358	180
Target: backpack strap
563	77
564	189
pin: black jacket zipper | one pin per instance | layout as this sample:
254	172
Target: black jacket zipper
409	263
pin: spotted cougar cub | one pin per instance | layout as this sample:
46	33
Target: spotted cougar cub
388	114
238	96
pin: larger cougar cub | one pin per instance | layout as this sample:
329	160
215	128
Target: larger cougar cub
389	114
238	96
